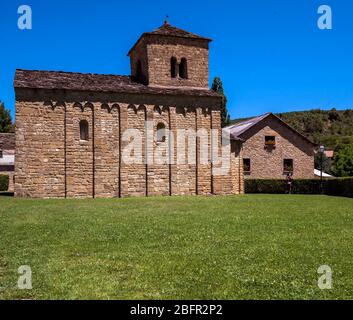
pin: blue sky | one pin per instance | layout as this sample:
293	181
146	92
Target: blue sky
270	54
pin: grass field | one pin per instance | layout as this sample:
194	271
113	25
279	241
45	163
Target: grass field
241	247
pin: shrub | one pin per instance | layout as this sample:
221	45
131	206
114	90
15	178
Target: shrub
307	186
336	187
273	186
4	182
278	186
339	187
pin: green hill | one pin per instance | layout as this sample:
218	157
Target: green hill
332	128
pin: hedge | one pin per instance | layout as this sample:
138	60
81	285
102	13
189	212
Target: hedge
339	187
336	187
4	182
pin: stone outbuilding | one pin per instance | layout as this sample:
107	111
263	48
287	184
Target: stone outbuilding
71	127
272	149
7	156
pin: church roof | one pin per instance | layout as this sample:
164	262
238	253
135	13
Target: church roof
35	79
170	31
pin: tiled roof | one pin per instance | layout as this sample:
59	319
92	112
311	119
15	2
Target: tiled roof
329	153
7	141
97	82
167	30
170	31
237	130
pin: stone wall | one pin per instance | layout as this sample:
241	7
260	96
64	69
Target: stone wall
183	171
237	170
159	64
40	149
227	171
53	162
155	57
139	54
159	170
134	174
204	123
267	162
79	153
107	150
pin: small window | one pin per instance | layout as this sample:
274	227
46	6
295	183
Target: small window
1	154
247	166
84	130
270	141
139	71
288	166
161	134
183	69
173	67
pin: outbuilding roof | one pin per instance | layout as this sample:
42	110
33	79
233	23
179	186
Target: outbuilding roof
238	129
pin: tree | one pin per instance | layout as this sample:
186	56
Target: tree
313	125
344	161
326	163
5	120
217	86
348	113
333	115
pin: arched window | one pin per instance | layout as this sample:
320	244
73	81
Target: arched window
84	130
161	134
139	71
183	69
173	67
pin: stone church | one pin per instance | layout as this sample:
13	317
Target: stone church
70	126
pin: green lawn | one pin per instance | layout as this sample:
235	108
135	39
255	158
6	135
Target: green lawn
237	247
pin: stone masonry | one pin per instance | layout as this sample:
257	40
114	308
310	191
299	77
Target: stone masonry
7	157
267	162
52	161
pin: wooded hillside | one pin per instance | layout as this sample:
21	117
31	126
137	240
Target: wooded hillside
332	128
